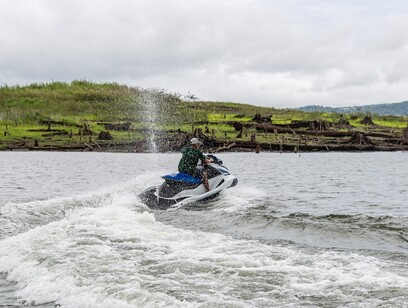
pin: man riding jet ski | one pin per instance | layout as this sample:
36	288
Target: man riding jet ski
193	183
189	161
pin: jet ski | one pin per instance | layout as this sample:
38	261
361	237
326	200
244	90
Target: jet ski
179	189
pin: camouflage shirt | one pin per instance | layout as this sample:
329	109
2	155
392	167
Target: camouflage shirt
189	161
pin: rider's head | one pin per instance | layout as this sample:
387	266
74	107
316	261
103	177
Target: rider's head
195	142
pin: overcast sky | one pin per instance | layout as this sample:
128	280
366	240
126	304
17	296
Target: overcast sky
280	53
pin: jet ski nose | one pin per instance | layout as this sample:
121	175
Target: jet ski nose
234	182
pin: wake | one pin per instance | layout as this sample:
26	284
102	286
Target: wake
16	218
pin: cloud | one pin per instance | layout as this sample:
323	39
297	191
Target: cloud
277	53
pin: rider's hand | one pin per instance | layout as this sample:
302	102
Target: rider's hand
207	161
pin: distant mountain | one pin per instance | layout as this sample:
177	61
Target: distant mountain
396	109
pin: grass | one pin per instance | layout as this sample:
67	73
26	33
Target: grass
70	106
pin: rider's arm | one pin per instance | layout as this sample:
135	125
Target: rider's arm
206	160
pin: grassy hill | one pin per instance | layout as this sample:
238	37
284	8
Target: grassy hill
84	115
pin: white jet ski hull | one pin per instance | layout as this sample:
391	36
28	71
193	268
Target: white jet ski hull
172	194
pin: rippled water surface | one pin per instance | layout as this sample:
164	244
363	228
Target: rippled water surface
309	230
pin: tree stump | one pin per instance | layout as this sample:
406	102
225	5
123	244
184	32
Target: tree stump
343	123
105	136
360	139
405	133
87	130
367	121
257	118
253	138
260	119
312	126
238	126
323	125
198	133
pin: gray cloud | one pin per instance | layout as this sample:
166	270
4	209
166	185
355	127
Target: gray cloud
276	53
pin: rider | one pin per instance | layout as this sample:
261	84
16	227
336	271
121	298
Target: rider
189	160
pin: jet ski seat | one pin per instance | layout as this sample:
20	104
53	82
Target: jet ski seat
182	177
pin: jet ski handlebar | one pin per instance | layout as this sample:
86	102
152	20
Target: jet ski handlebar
214	159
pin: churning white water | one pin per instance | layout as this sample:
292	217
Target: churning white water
316	230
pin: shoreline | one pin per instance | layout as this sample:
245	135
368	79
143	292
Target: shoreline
267	138
232	147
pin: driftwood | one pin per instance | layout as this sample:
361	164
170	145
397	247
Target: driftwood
88	147
45	130
55	133
287	138
224	148
297	124
312	125
284	147
175	143
124	127
276	129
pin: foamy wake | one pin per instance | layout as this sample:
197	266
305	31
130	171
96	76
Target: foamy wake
240	198
21	217
119	256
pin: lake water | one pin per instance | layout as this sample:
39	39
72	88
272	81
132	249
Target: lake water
309	230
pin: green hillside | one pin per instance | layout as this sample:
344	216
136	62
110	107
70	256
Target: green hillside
71	116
